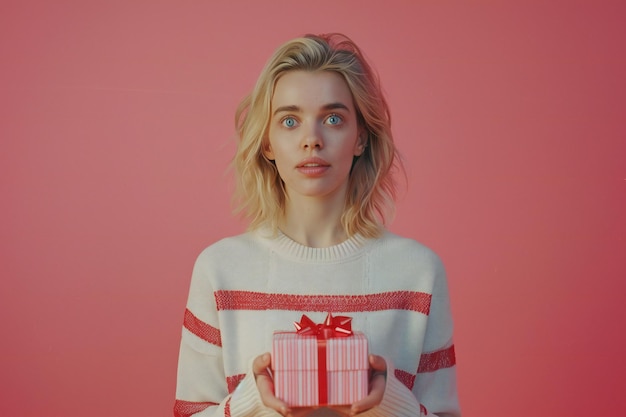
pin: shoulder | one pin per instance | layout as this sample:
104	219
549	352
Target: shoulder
226	262
227	243
406	262
406	249
230	251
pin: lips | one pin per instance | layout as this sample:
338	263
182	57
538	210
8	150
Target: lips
313	167
313	162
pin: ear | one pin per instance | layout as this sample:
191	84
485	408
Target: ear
361	143
267	151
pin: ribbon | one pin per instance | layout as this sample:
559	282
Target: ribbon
340	326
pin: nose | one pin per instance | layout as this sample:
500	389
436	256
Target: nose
312	138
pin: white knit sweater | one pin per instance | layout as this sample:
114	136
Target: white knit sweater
245	287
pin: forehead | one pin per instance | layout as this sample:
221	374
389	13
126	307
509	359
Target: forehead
311	89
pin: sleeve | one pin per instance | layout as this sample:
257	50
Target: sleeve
434	392
201	386
435	384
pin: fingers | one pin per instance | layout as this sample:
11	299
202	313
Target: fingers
260	364
265	384
274	403
378	382
377	363
373	398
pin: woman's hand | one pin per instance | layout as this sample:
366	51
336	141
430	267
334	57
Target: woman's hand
378	381
265	384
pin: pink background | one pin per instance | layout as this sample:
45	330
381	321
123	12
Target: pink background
116	127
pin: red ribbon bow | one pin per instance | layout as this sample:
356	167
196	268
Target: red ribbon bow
340	326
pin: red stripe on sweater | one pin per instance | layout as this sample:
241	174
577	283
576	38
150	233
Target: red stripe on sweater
430	362
188	408
227	408
405	377
201	329
232	381
395	300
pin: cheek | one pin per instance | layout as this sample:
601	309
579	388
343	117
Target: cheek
272	148
351	145
280	157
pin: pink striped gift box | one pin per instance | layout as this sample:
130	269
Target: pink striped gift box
313	371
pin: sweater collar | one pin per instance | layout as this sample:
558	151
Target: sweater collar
284	245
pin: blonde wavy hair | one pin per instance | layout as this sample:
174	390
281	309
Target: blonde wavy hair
260	193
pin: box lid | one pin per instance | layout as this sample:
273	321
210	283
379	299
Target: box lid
291	351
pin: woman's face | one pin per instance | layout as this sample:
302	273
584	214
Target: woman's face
313	133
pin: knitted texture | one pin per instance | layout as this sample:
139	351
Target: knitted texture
245	287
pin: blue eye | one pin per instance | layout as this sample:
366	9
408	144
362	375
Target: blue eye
289	122
334	119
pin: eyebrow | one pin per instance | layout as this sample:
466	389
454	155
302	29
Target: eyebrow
296	109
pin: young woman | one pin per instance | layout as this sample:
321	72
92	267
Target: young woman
315	163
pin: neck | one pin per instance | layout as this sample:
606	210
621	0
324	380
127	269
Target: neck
313	223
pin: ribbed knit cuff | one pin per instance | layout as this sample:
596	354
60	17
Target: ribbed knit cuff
246	400
398	400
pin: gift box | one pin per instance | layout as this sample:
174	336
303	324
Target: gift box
320	364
